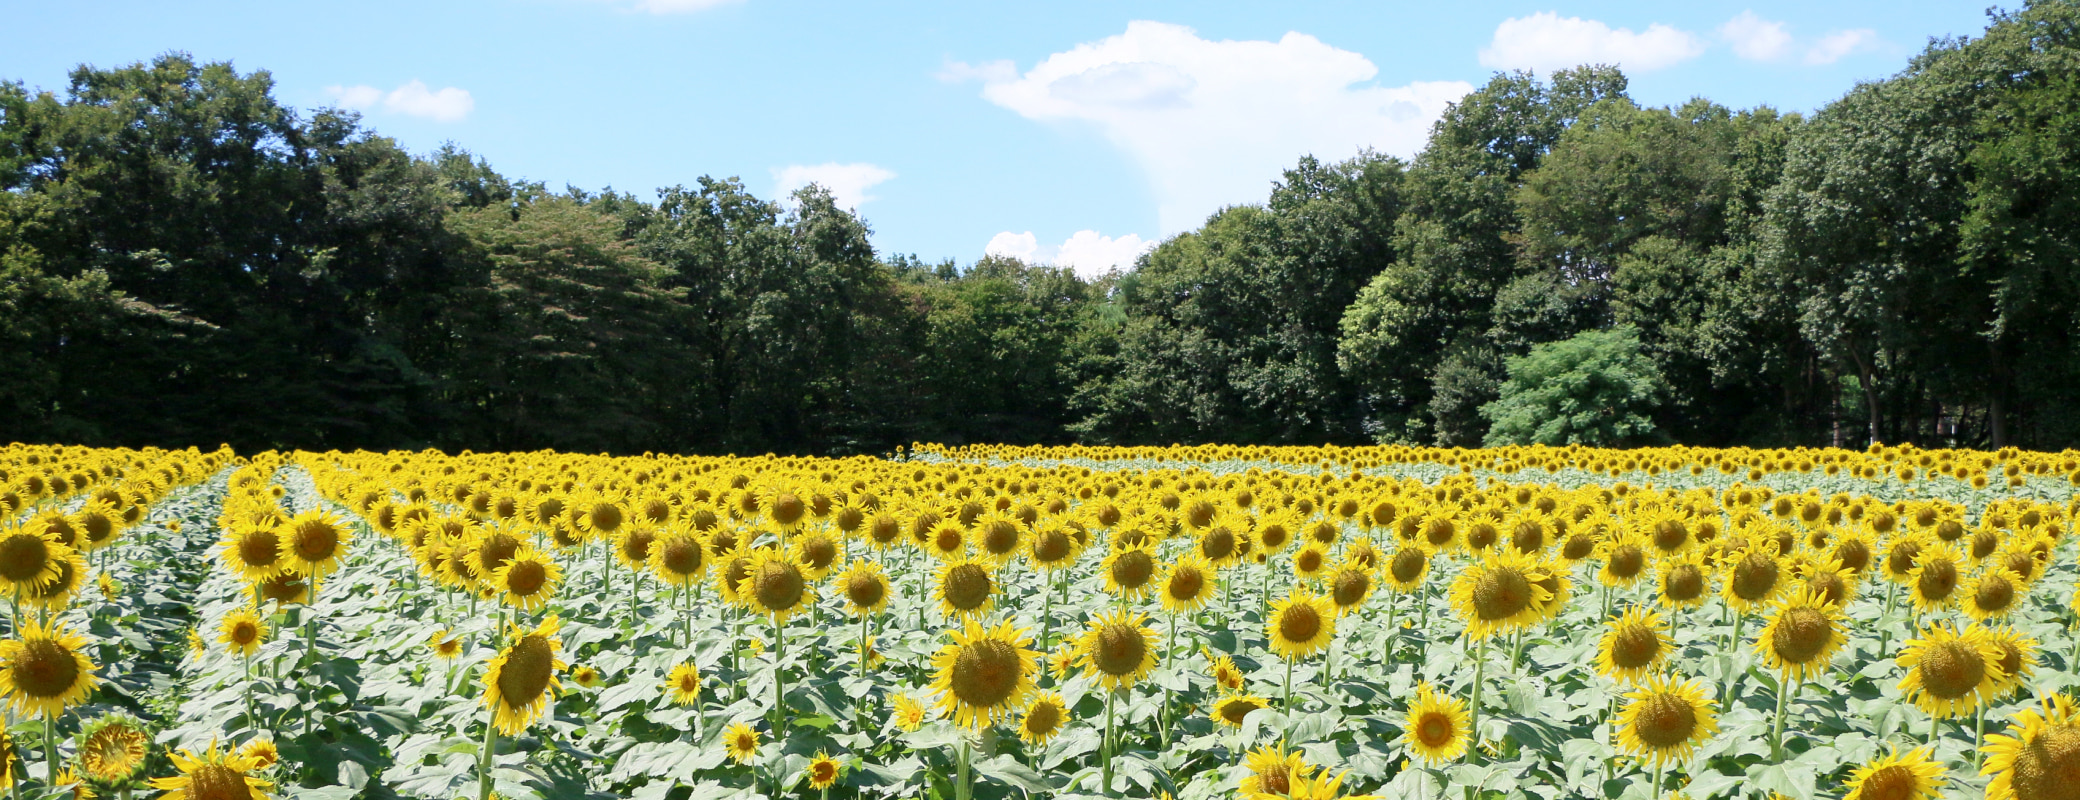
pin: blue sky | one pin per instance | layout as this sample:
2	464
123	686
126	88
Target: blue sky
1078	132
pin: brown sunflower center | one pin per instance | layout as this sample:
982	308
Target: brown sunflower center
1234	709
819	551
1000	537
1438	531
1951	669
1634	646
1830	586
823	771
636	545
44	668
1186	582
985	673
1664	721
865	590
1481	535
1435	730
1995	593
1308	560
2048	765
1801	634
1755	576
1299	622
778	585
1273	536
1119	649
314	540
1578	546
1043	718
244	632
1626	561
256	547
526	578
496	549
967	586
948	540
1670	535
1217	544
1350	587
1132	569
1407	565
530	664
217	782
681	555
1684	583
606	517
23	557
1854	554
1900	559
1938	579
1501	593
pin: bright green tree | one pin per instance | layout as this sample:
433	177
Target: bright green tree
1596	389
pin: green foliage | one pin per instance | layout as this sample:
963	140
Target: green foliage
1595	389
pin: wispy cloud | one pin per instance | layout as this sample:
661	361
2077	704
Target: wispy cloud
1546	41
413	99
1087	252
848	183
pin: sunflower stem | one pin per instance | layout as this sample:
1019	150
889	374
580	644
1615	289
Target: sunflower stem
50	742
1163	717
1978	734
779	681
484	759
1516	652
1473	707
961	789
1776	730
1104	749
1658	764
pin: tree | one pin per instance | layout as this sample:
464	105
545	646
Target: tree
1595	389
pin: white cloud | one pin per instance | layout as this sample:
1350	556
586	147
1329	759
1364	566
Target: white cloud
1546	41
1755	38
848	183
1835	46
413	99
1212	123
1086	252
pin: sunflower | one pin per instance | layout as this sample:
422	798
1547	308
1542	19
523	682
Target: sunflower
312	543
1130	571
598	516
1624	558
214	775
1349	586
243	631
28	558
1407	569
2037	755
1992	594
491	548
632	545
1828	576
1634	646
1500	593
1273	771
1936	577
1665	718
865	587
1950	674
1684	582
444	644
77	787
1900	558
817	553
2018	659
1914	776
1044	719
966	588
43	671
521	680
1754	577
1436	731
908	714
1052	547
998	538
1309	562
56	594
1223	670
527	580
586	676
822	771
946	541
112	749
741	741
1802	636
1301	624
1188	584
775	585
679	558
1232	709
684	684
262	751
1117	649
983	673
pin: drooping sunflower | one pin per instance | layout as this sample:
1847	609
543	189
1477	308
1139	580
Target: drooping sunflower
1188	584
1992	594
1272	770
1665	718
741	742
527	580
56	594
1803	633
1300	625
1684	582
2037	755
1130	571
1950	674
984	673
1350	585
865	587
214	775
1437	729
521	680
1634	646
1501	593
1044	719
43	671
1754	577
1117	649
1916	775
313	542
112	749
242	631
1408	567
774	585
2018	661
1232	709
684	684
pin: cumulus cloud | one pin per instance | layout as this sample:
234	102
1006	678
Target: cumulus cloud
1086	252
1840	44
1546	41
1212	123
1755	38
413	99
848	183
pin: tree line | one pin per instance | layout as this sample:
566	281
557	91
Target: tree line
184	260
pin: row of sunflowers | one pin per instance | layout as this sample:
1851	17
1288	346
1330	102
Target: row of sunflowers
991	622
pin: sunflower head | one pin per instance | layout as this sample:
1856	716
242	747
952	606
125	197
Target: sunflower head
1634	646
312	542
775	584
907	713
112	749
44	670
966	589
1437	729
865	587
1118	650
1301	624
1949	673
521	680
1803	633
684	684
1664	719
1232	709
242	631
679	557
527	579
1044	719
983	673
1130	571
1274	771
214	775
741	742
1500	593
2037	755
1188	584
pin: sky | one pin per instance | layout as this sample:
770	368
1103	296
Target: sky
1069	132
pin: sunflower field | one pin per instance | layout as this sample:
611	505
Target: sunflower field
988	622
